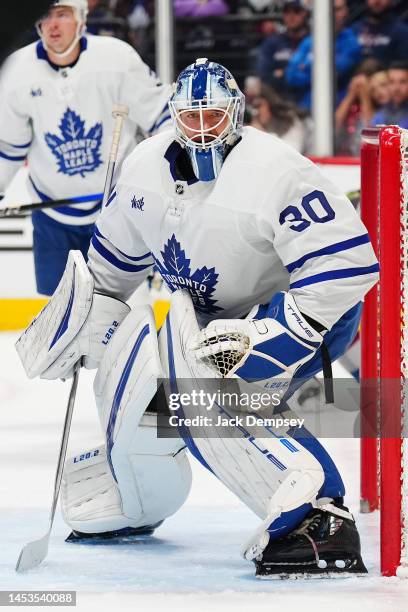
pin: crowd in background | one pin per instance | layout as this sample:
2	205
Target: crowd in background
268	46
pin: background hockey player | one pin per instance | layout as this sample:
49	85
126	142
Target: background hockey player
266	260
56	106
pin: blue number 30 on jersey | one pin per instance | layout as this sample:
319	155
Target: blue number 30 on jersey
314	208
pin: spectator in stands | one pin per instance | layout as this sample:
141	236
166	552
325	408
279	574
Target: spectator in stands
101	20
381	33
396	111
272	114
200	8
136	16
347	56
379	88
277	49
95	11
252	89
367	92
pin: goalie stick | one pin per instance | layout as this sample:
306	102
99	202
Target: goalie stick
20	210
35	552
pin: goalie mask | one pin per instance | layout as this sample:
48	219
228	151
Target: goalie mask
207	109
80	10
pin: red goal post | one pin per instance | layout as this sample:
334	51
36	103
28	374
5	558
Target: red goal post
384	343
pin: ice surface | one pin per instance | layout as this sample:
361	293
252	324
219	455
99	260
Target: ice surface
191	563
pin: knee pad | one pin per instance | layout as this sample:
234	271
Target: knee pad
154	481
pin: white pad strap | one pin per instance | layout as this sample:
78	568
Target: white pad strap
300	487
60	320
324	503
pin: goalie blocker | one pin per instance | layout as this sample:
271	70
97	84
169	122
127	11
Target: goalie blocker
76	323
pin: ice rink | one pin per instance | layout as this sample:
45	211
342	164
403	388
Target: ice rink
192	561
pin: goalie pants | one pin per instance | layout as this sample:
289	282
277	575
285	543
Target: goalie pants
337	340
52	242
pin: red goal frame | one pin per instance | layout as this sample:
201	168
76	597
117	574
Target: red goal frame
382	367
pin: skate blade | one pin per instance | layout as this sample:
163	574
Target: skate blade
125	536
310	576
280	572
118	541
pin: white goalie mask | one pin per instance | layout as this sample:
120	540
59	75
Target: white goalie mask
207	108
80	9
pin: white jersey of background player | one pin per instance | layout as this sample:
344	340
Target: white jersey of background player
56	101
245	224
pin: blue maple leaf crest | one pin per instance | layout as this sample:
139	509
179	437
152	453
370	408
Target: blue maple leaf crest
176	271
76	151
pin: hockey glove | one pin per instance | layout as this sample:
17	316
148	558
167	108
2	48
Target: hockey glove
271	343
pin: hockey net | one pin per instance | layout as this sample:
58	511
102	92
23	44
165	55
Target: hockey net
384	343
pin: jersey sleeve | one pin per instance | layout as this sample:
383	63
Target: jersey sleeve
118	257
15	134
321	241
146	96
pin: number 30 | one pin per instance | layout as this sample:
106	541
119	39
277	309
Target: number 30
295	217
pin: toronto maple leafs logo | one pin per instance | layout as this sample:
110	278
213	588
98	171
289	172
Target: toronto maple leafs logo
77	152
176	271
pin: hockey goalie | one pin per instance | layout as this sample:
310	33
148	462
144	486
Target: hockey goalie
268	264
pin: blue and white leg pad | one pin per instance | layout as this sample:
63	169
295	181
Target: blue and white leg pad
271	474
146	478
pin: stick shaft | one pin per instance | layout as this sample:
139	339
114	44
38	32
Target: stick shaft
64	440
21	209
35	552
119	112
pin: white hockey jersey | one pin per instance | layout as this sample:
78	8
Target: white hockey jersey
60	119
270	221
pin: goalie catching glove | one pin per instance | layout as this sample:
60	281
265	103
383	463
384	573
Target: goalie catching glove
271	343
76	323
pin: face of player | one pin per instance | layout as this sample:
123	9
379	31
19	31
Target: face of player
203	126
398	83
58	28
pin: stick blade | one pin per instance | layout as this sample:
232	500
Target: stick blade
33	554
